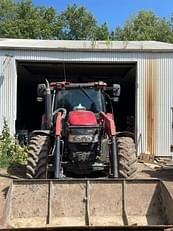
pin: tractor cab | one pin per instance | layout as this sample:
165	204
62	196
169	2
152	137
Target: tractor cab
90	98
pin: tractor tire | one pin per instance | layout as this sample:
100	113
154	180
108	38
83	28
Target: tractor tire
37	157
127	159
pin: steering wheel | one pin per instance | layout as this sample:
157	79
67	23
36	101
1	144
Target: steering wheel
61	109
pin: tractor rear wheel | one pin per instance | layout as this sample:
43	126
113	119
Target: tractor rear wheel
126	157
37	157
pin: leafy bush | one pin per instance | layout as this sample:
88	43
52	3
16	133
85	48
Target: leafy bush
11	152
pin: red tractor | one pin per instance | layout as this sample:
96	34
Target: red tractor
78	136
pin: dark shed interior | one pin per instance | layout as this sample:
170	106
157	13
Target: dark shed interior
29	111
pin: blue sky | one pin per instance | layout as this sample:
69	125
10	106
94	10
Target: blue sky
114	12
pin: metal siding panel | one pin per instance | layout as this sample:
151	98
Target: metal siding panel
8	89
1	92
154	90
165	97
141	131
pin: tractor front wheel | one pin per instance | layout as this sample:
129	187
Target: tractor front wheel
37	157
127	158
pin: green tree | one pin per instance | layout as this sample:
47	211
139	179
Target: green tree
171	22
102	32
21	19
145	26
24	20
79	24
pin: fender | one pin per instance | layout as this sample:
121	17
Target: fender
42	132
126	133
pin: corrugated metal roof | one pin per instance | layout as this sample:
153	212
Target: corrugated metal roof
125	46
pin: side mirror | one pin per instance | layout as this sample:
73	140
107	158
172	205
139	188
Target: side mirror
41	90
116	92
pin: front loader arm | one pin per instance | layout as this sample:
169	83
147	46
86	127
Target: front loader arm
110	129
109	124
57	152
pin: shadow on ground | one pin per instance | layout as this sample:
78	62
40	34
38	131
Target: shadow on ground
163	174
17	171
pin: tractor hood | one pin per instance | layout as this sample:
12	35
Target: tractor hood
82	117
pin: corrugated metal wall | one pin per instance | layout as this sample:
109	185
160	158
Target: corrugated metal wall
154	90
8	90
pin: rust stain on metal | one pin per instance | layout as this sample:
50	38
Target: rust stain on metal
151	105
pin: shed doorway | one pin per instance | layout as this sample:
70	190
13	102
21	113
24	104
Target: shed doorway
29	111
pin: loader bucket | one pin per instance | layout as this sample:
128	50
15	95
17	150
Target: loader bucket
89	204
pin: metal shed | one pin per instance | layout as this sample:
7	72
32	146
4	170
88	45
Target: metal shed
144	67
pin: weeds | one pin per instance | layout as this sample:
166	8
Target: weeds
11	152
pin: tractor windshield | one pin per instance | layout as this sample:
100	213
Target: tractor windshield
89	98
